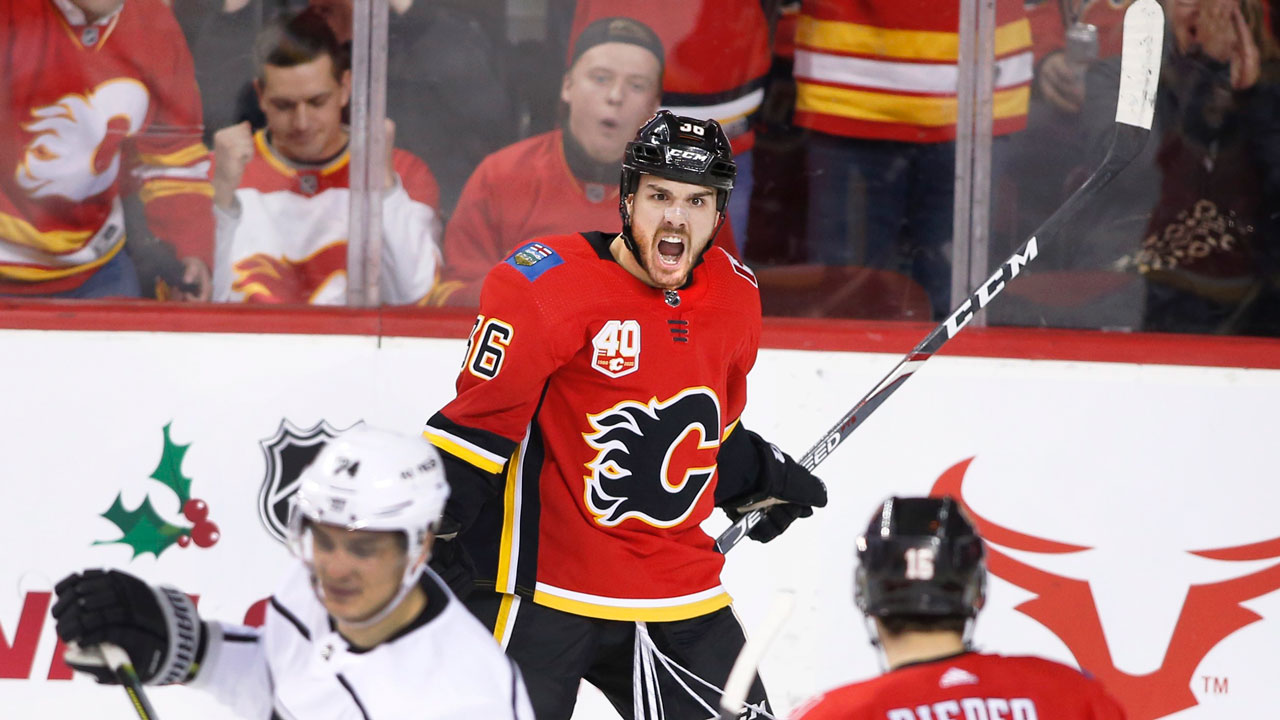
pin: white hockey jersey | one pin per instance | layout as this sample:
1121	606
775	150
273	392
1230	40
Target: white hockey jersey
444	666
288	241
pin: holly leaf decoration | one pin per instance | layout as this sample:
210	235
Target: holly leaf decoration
143	529
169	471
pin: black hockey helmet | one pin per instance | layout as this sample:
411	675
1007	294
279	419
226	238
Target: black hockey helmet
920	557
678	148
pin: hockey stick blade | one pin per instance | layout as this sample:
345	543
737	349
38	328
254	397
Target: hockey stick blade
745	667
115	658
1135	109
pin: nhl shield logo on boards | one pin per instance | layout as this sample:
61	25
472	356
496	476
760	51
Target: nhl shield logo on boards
287	454
617	348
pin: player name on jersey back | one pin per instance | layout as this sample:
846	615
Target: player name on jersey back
970	708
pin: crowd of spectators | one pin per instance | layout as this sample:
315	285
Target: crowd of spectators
198	149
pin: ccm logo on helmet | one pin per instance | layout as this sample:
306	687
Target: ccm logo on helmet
689	156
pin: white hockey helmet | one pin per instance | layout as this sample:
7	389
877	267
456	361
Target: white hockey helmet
371	479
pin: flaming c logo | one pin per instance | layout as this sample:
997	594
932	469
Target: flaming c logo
267	279
1068	607
75	152
654	459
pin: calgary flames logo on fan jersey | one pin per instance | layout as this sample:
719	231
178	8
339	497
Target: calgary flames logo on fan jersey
267	279
76	150
654	460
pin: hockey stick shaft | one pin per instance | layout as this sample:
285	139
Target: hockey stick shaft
119	662
738	684
115	658
1140	70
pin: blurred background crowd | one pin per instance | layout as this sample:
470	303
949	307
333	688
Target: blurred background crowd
202	150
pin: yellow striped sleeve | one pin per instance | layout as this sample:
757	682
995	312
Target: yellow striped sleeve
34	274
507	541
177	158
890	107
153	189
931	45
20	232
467	455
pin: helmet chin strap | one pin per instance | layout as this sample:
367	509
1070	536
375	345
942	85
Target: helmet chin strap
873	634
407	583
882	658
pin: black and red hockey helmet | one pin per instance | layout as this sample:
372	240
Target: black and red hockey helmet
920	557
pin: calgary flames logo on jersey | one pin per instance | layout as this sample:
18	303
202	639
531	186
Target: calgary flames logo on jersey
267	279
1069	606
653	460
76	150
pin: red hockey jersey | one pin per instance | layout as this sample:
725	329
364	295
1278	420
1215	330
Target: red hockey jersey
604	407
717	56
968	687
887	69
523	191
88	112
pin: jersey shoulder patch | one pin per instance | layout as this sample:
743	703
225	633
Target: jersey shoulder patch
533	259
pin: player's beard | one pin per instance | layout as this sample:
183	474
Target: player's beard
662	275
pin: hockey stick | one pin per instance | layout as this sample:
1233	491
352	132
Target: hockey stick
744	669
118	661
1139	75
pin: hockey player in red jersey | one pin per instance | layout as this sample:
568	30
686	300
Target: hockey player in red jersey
921	580
97	100
597	424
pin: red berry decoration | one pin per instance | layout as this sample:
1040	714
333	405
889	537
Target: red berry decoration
184	540
195	510
205	534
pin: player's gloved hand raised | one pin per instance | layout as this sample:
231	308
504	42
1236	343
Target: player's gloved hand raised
451	561
157	627
784	490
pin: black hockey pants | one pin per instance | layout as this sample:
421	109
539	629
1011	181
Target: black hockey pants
556	650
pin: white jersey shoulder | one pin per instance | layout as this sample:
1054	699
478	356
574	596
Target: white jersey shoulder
448	667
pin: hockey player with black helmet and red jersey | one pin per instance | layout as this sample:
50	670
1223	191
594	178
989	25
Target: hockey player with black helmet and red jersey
920	582
597	423
359	630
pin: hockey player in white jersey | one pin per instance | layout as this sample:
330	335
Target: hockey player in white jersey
359	630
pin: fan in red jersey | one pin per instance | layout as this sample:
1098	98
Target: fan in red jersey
597	424
97	100
921	580
563	180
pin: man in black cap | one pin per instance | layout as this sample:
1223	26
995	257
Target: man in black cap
566	179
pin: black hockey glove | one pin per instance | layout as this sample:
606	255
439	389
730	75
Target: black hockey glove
451	561
784	490
157	627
